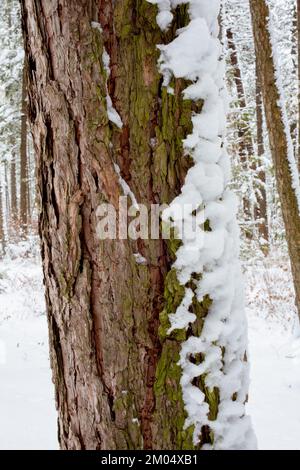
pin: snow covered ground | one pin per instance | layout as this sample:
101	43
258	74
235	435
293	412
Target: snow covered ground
27	407
27	410
274	350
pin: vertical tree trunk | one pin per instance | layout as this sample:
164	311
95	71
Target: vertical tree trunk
2	234
115	369
13	193
114	388
245	141
261	208
298	43
277	136
24	193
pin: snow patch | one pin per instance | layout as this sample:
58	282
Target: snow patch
213	254
126	189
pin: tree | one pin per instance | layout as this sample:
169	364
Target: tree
279	135
261	212
245	143
2	235
104	122
298	70
24	181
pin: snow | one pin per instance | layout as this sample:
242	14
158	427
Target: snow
125	187
164	17
96	25
112	113
211	254
139	259
27	411
274	354
27	408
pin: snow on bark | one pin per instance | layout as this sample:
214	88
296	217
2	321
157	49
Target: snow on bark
284	116
195	55
112	113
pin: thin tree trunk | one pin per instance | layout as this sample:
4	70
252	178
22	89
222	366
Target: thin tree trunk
2	233
261	208
245	141
298	43
277	136
24	192
13	193
117	383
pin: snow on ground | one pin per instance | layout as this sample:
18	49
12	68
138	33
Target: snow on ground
27	407
274	344
27	410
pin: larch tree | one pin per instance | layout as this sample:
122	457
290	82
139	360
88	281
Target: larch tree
24	180
261	212
2	234
147	337
244	134
281	145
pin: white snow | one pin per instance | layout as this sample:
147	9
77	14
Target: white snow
112	113
27	411
126	189
27	408
212	254
96	25
164	17
274	354
139	259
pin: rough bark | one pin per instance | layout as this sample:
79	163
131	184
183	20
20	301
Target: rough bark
298	70
115	373
277	136
24	192
261	213
13	193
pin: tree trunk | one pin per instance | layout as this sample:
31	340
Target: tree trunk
245	141
261	213
24	193
298	43
117	385
13	193
2	234
277	136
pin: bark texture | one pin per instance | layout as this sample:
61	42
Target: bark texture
277	136
13	193
24	190
2	237
261	212
115	373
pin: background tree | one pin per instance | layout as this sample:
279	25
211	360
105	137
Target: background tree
287	176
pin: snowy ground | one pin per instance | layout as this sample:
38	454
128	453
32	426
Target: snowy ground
27	408
27	411
274	344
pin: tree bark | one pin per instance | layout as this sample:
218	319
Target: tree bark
116	375
261	212
277	136
24	192
298	69
2	234
13	193
245	141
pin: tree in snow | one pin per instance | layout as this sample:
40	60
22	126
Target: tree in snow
281	145
147	337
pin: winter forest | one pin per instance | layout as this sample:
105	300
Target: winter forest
149	225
